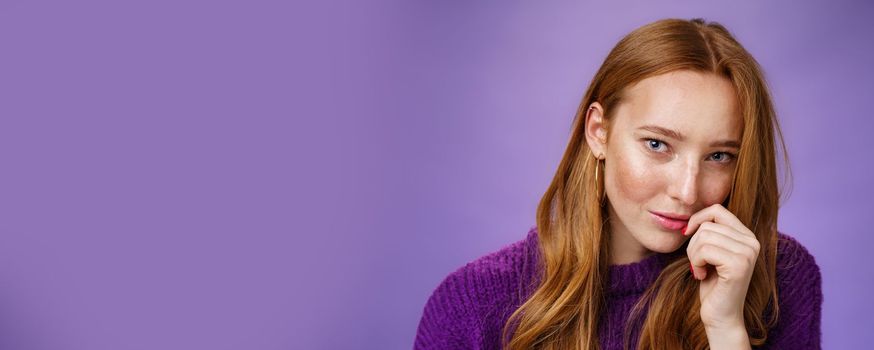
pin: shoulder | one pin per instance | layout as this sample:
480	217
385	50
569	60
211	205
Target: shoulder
799	285
794	260
504	263
475	299
491	275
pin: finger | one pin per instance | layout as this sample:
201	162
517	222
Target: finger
708	254
718	214
714	213
749	241
707	235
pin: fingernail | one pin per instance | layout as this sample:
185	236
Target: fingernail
684	230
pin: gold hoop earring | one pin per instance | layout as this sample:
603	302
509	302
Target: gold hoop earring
601	189
597	170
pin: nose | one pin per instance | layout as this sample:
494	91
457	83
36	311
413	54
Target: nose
684	182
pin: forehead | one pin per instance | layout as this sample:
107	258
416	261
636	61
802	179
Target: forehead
701	105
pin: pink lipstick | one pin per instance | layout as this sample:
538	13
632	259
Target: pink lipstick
670	222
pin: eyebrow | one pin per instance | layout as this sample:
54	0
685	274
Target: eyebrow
678	136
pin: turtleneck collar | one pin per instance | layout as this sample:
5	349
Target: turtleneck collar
635	277
623	279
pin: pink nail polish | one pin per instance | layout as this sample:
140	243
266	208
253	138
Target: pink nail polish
684	230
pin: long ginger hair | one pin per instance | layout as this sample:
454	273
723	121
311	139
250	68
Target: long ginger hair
563	311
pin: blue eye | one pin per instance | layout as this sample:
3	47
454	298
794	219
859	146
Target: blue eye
725	157
654	144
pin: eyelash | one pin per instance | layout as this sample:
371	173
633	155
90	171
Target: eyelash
730	156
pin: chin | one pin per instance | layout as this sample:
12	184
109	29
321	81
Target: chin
665	242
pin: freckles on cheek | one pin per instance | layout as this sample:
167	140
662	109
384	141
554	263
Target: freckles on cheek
634	181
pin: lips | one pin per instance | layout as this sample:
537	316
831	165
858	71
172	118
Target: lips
670	223
684	217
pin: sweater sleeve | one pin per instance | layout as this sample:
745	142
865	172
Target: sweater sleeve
800	298
447	321
470	306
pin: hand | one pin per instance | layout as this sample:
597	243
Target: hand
723	253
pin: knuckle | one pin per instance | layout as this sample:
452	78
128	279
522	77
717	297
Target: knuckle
694	240
749	255
753	255
751	262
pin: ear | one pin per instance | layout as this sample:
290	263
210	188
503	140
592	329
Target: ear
596	129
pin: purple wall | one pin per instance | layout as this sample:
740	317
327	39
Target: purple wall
258	175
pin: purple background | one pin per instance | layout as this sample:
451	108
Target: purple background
266	175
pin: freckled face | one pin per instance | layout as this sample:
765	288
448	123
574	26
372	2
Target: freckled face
649	169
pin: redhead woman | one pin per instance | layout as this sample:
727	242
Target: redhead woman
659	229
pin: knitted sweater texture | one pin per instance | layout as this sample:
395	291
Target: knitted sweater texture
469	307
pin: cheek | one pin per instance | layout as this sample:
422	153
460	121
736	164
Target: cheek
715	189
631	180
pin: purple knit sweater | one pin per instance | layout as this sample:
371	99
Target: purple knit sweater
470	306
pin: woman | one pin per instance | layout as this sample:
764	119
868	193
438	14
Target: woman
659	229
